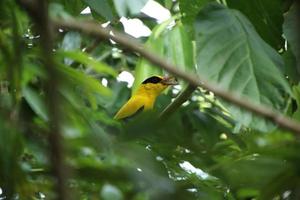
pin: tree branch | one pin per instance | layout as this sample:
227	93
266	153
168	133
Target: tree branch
96	30
38	10
182	97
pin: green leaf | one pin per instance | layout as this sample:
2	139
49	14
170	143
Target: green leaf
73	7
266	16
233	55
102	8
190	10
87	60
89	84
36	102
133	7
290	30
290	66
71	41
179	48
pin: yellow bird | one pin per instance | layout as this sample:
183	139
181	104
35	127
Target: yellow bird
145	96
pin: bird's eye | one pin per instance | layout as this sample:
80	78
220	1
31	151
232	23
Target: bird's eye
152	79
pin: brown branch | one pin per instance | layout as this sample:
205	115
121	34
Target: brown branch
38	10
128	42
182	97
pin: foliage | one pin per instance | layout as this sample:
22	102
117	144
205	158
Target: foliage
207	149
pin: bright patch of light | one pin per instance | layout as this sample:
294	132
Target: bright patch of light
186	103
189	168
135	27
111	33
104	25
104	82
223	136
176	89
192	190
139	169
148	147
156	11
86	11
286	194
159	158
1	191
127	77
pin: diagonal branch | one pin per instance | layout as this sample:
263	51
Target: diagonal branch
96	30
182	97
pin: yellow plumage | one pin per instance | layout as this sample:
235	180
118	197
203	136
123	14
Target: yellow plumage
145	96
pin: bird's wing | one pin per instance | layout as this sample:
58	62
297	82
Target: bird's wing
133	106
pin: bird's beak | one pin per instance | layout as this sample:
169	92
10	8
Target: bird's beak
169	80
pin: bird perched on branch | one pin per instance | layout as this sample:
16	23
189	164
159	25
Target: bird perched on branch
145	96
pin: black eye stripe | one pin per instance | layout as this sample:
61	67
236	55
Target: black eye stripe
152	79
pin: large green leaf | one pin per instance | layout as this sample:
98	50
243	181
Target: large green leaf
231	53
291	32
266	16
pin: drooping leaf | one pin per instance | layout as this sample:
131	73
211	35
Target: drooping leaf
89	84
36	102
85	59
232	54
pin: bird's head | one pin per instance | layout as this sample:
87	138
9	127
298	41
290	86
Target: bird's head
156	84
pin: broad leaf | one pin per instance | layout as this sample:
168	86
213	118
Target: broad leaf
266	16
232	54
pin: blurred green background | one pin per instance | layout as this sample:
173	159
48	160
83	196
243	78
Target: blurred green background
208	149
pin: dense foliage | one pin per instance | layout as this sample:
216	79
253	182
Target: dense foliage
207	149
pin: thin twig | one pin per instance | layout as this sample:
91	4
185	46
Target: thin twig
38	10
94	29
182	97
